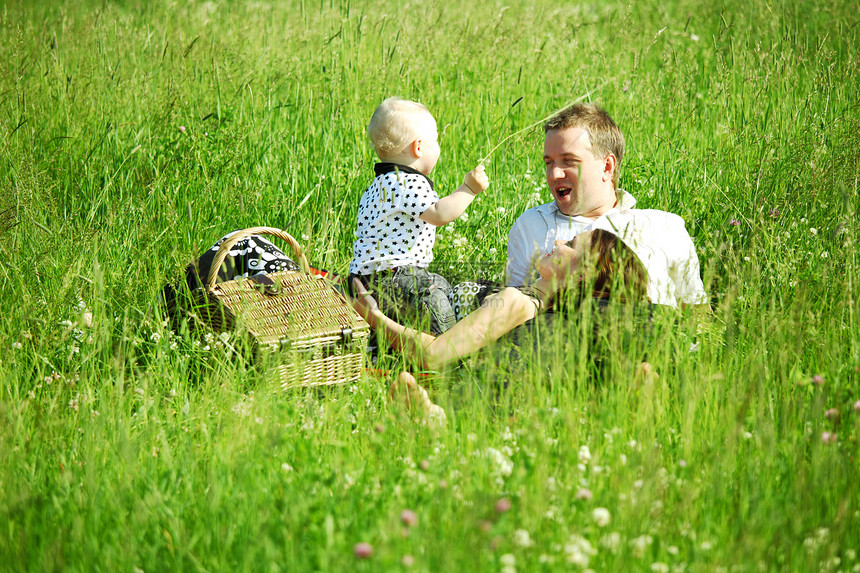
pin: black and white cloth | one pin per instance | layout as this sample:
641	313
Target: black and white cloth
389	233
249	257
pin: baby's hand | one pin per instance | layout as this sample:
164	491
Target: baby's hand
477	180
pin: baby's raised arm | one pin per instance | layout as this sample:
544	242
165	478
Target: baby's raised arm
449	208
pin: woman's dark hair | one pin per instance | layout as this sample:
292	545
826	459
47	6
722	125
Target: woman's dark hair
616	266
613	269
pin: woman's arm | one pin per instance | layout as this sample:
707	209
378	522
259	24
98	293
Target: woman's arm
499	314
400	337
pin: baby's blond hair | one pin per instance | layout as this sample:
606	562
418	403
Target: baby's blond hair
395	123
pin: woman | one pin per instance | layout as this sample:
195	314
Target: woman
591	268
597	258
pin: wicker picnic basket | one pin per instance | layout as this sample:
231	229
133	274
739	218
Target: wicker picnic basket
319	338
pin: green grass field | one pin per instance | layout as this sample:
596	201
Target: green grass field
135	134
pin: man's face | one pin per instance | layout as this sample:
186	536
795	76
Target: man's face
576	178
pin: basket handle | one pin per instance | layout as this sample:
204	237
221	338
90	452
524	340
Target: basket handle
228	243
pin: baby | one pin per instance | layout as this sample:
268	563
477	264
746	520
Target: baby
398	215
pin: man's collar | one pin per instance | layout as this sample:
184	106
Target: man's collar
625	201
385	167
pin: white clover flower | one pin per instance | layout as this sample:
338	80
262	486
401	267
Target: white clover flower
501	464
813	231
17	345
579	551
612	541
241	409
464	217
521	538
640	544
286	467
825	255
600	515
501	210
508	560
584	454
659	567
155	336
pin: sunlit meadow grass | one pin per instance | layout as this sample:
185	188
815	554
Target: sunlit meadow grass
133	135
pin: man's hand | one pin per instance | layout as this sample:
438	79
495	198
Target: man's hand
477	180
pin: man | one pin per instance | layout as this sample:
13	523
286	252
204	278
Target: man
583	150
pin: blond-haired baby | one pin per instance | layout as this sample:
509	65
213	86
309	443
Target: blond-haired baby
399	212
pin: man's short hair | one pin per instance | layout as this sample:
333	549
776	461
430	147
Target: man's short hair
603	133
396	123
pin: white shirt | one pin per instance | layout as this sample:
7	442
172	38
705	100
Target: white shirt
535	232
658	238
389	233
661	242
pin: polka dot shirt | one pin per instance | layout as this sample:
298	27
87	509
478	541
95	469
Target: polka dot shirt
389	233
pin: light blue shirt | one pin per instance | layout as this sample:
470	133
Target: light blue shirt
535	232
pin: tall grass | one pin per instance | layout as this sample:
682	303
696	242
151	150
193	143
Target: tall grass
133	135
